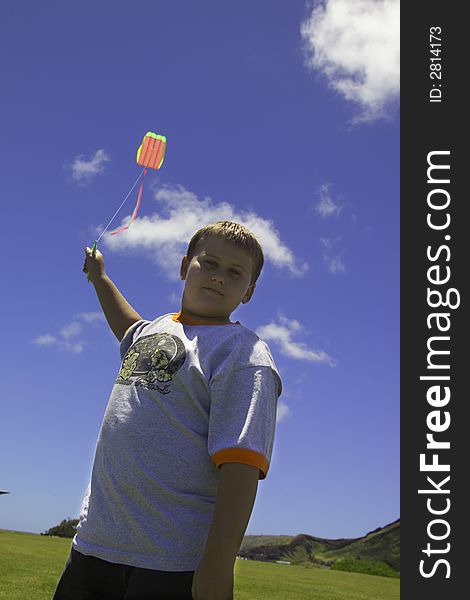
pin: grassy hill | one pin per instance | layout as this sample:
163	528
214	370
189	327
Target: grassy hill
30	566
380	548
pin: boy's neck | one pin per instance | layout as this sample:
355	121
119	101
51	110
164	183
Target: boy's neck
188	318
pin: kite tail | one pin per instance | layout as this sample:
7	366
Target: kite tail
134	214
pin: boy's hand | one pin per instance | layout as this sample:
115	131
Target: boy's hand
94	264
213	580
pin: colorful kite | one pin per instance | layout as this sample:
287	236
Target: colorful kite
150	155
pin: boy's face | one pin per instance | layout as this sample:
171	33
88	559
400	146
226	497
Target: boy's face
218	278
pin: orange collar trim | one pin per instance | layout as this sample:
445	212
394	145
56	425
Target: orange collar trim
185	320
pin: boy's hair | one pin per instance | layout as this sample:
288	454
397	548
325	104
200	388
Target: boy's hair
240	235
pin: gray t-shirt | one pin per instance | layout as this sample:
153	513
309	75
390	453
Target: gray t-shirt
187	399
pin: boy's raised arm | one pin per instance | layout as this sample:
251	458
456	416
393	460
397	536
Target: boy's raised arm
118	312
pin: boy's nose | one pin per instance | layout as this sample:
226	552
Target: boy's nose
218	278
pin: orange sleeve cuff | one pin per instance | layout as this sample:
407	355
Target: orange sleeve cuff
244	456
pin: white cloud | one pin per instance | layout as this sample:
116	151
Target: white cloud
282	333
165	235
282	411
71	330
356	45
75	348
51	340
91	317
326	207
335	264
45	340
175	298
83	170
327	242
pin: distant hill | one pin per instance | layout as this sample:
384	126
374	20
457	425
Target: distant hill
380	548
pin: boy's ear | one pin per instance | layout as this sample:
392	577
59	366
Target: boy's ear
249	293
184	267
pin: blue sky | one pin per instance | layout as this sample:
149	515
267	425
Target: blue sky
280	115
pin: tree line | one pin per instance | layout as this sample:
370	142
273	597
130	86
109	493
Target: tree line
66	528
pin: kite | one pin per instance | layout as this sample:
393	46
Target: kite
150	155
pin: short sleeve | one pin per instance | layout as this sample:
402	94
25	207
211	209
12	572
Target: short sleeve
242	416
131	334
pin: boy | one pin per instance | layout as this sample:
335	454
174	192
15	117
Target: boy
187	433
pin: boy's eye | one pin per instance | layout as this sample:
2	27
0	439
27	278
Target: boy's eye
213	263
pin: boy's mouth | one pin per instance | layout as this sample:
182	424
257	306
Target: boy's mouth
213	291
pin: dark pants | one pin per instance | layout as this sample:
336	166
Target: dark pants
90	578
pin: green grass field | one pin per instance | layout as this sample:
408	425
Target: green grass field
30	566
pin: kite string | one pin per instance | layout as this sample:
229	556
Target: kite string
128	194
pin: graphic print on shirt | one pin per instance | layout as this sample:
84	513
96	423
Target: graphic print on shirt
152	361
